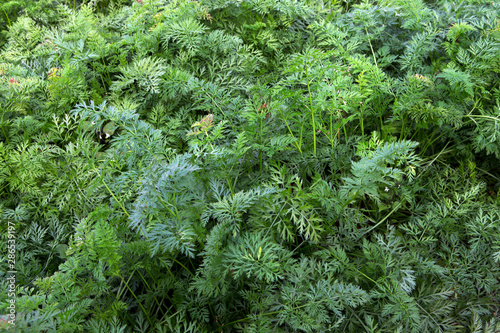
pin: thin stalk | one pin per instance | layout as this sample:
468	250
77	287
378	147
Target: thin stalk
138	302
428	144
371	47
311	106
112	194
481	116
120	290
345	131
430	163
487	173
382	127
177	261
402	128
230	185
165	205
331	125
291	133
381	221
7	16
260	151
361	122
3	130
154	297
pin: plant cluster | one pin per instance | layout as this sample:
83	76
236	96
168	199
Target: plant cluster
251	165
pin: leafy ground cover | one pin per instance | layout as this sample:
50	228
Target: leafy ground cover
250	165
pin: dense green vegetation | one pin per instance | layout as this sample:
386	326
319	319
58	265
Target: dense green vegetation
251	165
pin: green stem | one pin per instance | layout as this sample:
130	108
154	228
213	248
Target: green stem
260	151
138	302
311	106
7	16
120	290
331	124
381	221
371	47
152	291
402	128
362	124
177	261
3	130
114	197
289	130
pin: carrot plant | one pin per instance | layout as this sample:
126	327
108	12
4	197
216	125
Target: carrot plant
250	166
